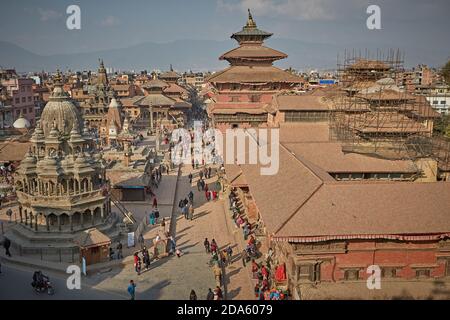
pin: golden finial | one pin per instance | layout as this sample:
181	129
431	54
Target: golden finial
250	22
57	79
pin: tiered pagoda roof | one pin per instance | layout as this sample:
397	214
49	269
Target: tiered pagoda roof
251	62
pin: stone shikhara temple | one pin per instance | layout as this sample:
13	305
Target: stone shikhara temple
61	182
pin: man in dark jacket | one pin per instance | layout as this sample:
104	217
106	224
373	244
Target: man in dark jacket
7	245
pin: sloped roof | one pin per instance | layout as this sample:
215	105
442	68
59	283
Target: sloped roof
330	157
279	196
169	75
304	132
240	74
311	206
155	83
156	100
131	102
373	209
253	52
175	88
92	238
13	151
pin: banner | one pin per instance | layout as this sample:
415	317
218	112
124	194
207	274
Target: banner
130	239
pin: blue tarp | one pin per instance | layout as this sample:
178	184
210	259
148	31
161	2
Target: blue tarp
327	81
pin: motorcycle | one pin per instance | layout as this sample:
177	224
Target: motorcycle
44	286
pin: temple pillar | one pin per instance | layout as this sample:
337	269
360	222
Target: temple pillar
81	219
31	219
102	213
151	118
20	214
47	222
71	222
68	187
59	222
92	215
36	222
26	218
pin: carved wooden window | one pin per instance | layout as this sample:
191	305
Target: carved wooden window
423	273
388	272
255	98
309	272
351	274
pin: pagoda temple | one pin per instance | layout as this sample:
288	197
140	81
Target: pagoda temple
243	92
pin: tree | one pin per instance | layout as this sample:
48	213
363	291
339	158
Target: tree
446	72
442	125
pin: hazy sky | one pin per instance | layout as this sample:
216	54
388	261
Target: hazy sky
40	26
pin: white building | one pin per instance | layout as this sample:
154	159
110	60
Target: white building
439	98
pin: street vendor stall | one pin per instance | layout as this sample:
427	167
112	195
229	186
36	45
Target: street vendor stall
94	246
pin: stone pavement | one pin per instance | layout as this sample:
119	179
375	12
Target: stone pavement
210	222
174	278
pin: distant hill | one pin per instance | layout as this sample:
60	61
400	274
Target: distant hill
197	55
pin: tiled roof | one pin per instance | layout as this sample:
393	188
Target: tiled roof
330	157
13	151
156	100
239	74
373	209
311	205
92	238
253	52
304	132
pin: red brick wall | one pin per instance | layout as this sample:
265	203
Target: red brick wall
384	254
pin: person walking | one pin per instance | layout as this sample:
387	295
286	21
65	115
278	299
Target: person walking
191	197
155	203
185	211
156	215
146	258
119	250
193	296
210	295
137	263
229	251
244	257
190	174
206	193
152	218
218	293
7	245
163	224
191	212
213	245
132	289
206	245
199	185
200	174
